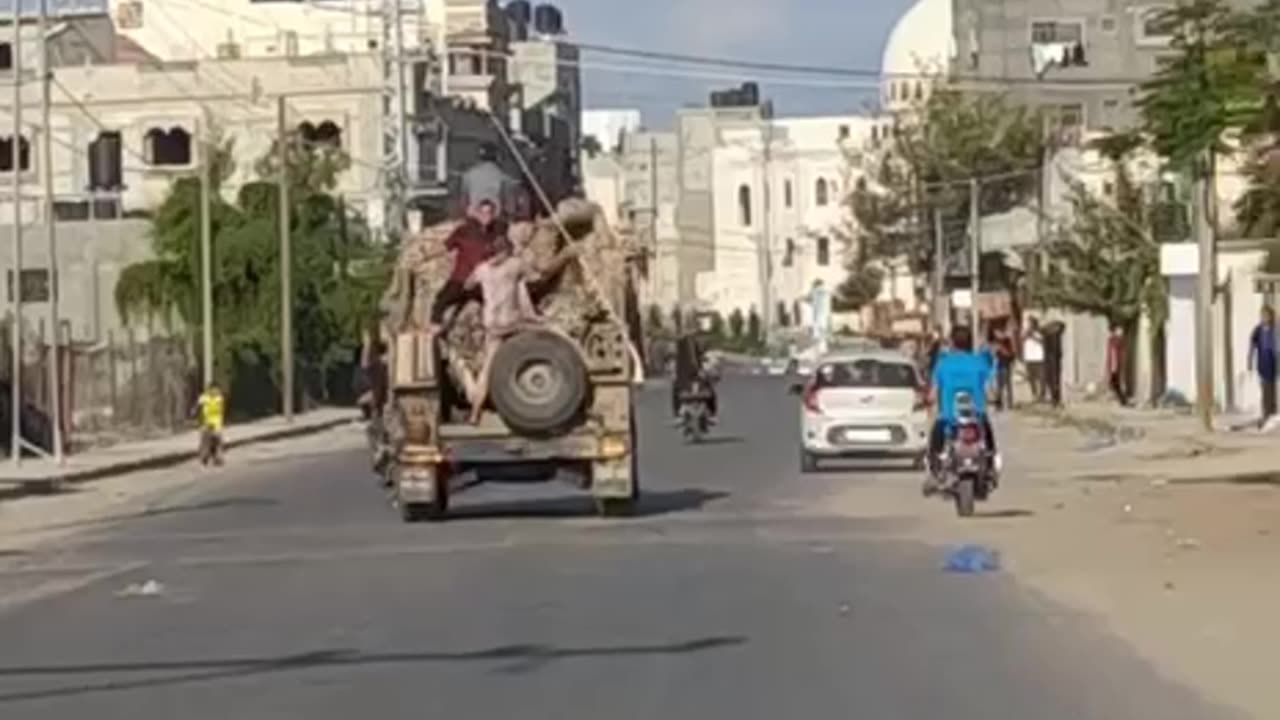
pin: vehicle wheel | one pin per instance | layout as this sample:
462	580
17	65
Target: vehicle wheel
964	495
918	463
808	462
538	382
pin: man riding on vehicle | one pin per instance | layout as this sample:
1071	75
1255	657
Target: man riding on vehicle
958	370
690	366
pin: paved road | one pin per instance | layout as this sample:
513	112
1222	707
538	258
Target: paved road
290	590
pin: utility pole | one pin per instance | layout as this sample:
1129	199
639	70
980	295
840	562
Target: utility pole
51	232
653	215
766	233
1203	232
206	249
15	276
394	117
939	271
286	261
975	255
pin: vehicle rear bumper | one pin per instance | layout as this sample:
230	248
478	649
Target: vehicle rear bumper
906	439
463	446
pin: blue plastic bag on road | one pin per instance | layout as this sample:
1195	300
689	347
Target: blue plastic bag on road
972	559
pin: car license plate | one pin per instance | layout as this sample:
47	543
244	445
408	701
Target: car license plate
867	436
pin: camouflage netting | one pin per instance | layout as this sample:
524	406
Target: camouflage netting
588	290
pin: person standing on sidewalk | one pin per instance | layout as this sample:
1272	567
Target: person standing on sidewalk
1116	364
1033	359
1006	355
1262	359
1053	333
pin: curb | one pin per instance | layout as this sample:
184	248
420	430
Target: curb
1086	425
76	476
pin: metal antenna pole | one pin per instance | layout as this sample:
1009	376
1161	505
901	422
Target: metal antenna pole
51	232
15	275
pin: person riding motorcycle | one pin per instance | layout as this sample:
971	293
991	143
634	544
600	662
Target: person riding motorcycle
691	366
958	370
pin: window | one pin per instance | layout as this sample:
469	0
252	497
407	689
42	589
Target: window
6	154
844	132
744	206
326	134
788	193
1056	43
919	90
35	285
1155	26
820	193
866	374
875	133
789	256
1107	23
6	56
1056	31
824	252
106	161
171	148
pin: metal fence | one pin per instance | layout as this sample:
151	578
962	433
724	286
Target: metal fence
127	387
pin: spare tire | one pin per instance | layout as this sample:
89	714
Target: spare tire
538	382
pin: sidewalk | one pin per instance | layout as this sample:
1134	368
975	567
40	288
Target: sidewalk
37	475
1168	445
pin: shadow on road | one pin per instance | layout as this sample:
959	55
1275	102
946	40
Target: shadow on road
1005	514
525	657
652	504
836	467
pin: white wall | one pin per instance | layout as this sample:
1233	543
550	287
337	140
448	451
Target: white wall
133	99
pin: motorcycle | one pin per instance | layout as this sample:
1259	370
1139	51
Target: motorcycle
968	467
695	410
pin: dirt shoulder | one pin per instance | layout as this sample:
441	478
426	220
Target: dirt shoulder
1187	573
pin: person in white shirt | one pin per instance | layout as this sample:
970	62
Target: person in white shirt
1033	358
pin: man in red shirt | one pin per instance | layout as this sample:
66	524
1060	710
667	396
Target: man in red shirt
1116	364
471	244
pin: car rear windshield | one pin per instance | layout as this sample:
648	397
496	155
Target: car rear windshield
865	374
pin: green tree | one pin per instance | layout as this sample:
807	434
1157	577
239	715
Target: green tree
927	163
1106	262
338	275
737	325
1204	88
755	330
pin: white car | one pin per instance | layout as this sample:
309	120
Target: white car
863	403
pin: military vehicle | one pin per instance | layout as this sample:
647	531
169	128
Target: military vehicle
560	392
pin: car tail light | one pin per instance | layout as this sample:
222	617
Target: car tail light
969	433
810	399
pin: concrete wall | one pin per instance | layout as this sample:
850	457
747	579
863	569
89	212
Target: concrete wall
91	256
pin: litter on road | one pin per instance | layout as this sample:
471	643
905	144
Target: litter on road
972	559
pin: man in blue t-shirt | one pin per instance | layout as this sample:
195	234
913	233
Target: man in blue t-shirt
1262	357
959	370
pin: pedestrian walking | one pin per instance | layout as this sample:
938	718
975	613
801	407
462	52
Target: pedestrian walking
1033	359
1053	334
1116	356
1262	359
1005	357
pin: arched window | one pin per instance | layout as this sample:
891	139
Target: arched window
820	193
789	255
787	193
824	252
106	161
744	205
168	148
326	133
919	90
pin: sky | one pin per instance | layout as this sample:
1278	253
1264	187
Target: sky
824	33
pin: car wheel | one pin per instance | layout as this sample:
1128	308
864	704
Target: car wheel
808	462
538	382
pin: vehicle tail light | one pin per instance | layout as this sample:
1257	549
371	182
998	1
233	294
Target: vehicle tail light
969	433
810	399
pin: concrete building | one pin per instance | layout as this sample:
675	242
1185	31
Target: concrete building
650	162
548	86
608	126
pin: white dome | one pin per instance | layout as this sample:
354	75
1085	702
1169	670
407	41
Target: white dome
920	44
